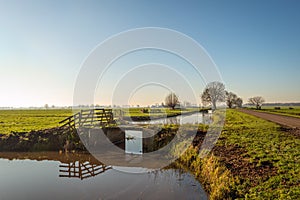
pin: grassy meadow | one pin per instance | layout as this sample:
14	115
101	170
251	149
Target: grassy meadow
253	159
28	120
284	110
266	159
37	119
293	111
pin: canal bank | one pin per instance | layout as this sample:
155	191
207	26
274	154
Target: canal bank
52	140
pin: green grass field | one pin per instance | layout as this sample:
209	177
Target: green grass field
267	164
27	120
263	146
293	111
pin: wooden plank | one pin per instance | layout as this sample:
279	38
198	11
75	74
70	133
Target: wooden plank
64	170
65	120
70	176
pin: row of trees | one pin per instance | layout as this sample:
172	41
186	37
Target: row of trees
215	92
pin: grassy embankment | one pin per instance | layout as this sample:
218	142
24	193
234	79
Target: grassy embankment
253	159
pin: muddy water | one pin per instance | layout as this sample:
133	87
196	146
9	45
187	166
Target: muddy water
52	175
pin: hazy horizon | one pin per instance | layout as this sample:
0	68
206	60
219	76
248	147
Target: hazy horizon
49	106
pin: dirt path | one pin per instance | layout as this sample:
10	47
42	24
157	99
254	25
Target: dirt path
292	122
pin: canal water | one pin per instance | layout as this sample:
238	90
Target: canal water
194	118
50	175
134	139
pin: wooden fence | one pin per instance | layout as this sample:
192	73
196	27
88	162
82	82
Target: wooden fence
91	118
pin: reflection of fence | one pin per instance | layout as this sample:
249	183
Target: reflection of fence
87	118
81	170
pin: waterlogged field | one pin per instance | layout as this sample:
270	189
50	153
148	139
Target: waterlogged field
293	111
265	158
28	120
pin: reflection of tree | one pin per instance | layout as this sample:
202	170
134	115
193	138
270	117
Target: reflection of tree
207	118
173	120
81	170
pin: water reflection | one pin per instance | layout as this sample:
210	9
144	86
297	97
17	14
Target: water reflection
71	165
81	170
195	118
38	176
133	142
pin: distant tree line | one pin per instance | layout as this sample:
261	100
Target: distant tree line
213	93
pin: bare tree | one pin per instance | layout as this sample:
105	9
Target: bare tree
171	100
257	101
205	97
239	102
214	92
231	99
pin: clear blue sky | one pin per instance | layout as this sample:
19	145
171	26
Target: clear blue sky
255	44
